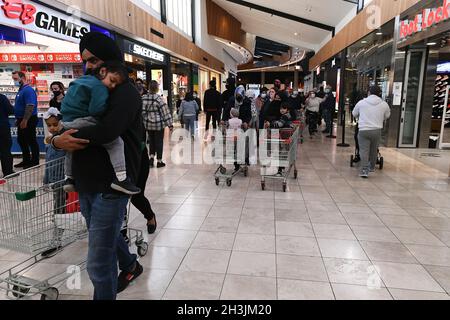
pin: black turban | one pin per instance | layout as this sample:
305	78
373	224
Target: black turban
101	46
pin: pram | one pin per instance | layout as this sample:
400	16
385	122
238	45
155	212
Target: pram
356	158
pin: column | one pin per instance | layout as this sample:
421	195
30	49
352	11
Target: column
263	78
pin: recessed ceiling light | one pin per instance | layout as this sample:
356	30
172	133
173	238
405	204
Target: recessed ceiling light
431	43
364	41
379	33
296	34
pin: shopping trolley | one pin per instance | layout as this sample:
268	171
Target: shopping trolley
286	141
230	150
36	217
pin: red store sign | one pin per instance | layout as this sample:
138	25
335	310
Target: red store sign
40	58
425	20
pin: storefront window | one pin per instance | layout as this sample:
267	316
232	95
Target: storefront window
181	79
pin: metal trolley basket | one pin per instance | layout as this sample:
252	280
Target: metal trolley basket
286	141
36	215
229	151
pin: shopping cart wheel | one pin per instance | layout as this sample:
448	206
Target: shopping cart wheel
223	170
284	187
20	292
217	181
381	163
263	185
229	182
295	174
50	294
142	249
352	161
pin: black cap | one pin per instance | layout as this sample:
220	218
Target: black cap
231	81
101	46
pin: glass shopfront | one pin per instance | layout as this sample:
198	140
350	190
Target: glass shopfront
146	63
182	81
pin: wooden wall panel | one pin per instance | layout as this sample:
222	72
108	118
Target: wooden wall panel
222	24
358	28
114	13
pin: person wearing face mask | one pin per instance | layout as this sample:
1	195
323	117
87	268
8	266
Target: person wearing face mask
327	108
259	103
312	112
140	86
104	209
25	109
58	91
295	104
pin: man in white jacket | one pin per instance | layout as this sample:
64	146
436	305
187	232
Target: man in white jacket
371	112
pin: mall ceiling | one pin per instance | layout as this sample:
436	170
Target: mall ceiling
303	24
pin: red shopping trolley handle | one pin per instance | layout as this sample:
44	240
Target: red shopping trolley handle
2	181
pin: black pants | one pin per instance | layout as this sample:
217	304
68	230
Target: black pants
6	158
140	201
312	118
215	119
156	143
28	142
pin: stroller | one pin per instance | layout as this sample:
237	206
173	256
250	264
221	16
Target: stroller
356	158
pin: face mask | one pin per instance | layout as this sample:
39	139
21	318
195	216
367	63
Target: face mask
17	83
263	95
56	93
327	90
295	94
195	96
313	96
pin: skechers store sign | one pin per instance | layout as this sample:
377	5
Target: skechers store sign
41	19
425	20
144	52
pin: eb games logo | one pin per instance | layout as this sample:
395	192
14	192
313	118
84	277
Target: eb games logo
16	9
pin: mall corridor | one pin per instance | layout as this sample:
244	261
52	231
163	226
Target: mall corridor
331	236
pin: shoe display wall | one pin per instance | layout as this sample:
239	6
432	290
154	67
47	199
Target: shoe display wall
440	88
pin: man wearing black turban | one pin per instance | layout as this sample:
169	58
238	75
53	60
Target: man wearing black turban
103	208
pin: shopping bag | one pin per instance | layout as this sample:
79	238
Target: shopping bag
72	203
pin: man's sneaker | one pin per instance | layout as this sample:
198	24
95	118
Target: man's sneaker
69	185
21	165
372	170
160	164
125	186
152	162
364	174
125	278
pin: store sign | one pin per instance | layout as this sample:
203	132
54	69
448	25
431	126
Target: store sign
41	19
425	20
40	58
138	50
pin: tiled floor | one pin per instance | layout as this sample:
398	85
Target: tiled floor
331	236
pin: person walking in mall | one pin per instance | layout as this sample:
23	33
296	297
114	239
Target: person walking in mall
104	209
327	109
26	110
212	105
59	92
312	112
371	112
227	97
6	159
157	118
188	111
259	103
141	87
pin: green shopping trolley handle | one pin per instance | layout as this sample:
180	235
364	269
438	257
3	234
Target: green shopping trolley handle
25	196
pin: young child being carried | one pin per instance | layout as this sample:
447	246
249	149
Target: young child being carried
84	103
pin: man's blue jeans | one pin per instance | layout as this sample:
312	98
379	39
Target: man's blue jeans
104	214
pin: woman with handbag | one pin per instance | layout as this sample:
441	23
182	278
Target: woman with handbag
157	118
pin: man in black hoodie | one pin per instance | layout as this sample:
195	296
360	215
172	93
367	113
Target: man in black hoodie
213	105
103	208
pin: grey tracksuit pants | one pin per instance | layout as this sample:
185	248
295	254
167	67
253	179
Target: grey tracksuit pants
369	142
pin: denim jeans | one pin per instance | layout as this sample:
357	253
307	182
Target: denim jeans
189	124
104	214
